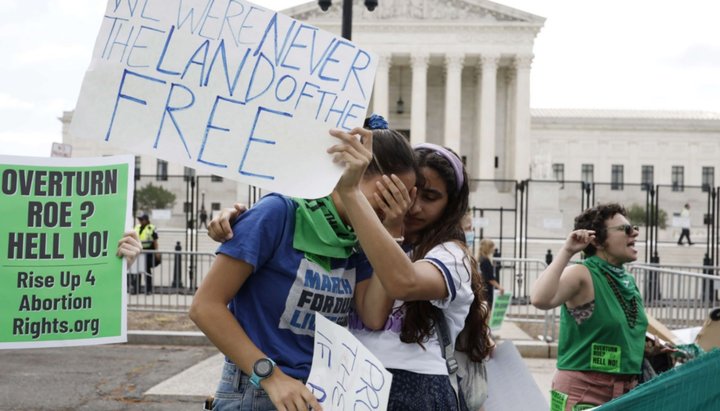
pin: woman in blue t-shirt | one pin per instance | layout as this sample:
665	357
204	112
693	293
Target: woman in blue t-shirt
289	258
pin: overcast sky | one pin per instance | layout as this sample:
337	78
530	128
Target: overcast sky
619	54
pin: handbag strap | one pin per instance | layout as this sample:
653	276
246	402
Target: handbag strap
448	353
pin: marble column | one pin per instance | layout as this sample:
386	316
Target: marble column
522	117
382	86
485	117
453	100
418	105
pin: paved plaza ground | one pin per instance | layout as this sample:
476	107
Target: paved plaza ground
140	376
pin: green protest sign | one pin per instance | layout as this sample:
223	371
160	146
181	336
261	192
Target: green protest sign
61	283
499	309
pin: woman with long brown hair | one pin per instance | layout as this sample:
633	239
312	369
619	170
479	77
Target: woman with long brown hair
439	281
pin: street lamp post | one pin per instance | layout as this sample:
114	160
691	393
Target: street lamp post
347	13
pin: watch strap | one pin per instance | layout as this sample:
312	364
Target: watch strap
256	379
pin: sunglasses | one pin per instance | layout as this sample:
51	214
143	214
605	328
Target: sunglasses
629	229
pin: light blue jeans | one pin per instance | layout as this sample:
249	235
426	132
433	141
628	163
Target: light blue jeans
235	392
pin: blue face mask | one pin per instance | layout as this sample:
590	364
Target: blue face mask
469	237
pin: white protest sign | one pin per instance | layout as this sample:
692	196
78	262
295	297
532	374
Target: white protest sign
227	87
511	386
345	375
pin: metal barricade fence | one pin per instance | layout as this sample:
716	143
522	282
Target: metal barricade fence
171	285
516	275
677	296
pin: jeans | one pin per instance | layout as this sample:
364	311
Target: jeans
235	392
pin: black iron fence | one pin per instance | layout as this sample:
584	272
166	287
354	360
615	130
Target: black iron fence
187	203
525	218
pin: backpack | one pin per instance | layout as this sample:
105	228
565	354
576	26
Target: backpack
468	378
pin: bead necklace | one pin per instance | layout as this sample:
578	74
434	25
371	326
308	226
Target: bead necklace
629	308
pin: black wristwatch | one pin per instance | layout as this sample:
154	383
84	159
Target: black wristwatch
262	369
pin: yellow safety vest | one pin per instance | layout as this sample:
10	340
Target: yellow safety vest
146	235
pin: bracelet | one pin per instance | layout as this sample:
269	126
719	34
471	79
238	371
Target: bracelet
399	240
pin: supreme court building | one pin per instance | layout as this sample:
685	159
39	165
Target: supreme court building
457	73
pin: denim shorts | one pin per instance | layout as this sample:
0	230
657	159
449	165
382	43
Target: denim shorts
235	392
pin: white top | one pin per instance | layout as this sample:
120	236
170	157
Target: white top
685	215
452	262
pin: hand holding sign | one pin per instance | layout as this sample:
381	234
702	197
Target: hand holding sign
60	284
344	374
289	393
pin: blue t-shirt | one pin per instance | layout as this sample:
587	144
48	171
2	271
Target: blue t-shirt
276	305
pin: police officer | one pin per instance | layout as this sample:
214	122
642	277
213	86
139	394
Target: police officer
149	239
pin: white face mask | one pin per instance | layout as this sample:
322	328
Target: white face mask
469	237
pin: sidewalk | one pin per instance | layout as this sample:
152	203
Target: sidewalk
200	380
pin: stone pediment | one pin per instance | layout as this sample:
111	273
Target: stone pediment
423	10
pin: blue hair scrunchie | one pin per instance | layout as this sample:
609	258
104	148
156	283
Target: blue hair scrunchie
377	122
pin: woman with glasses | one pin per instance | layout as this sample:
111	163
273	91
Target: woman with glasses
603	322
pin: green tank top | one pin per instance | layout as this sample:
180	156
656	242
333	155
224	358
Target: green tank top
612	339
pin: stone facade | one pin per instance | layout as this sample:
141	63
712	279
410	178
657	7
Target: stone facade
462	71
461	68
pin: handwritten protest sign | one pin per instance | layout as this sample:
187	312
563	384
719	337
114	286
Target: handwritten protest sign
344	374
60	281
499	309
227	87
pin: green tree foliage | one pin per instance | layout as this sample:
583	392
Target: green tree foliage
154	197
637	216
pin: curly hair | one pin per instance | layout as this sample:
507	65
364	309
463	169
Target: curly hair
421	316
594	219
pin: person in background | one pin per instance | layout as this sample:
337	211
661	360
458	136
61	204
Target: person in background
685	216
202	218
487	269
468	229
149	239
283	251
603	322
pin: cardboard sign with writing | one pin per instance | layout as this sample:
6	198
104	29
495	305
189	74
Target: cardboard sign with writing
345	375
61	283
227	87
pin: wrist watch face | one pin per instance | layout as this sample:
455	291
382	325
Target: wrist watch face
263	368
